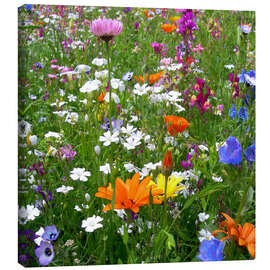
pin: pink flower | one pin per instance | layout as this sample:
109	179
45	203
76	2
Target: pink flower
106	29
52	76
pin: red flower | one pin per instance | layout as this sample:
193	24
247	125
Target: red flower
175	124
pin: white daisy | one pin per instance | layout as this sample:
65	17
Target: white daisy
105	168
64	189
92	223
203	217
107	138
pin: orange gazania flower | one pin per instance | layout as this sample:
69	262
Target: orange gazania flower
101	97
243	236
129	195
167	161
152	78
168	28
175	124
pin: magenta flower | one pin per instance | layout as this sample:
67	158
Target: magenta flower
106	29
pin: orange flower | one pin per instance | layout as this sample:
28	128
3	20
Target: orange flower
175	124
152	78
168	28
149	14
129	195
101	97
167	161
243	236
174	19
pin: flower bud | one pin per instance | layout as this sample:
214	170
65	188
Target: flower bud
97	149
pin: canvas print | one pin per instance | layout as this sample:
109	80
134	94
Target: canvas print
136	135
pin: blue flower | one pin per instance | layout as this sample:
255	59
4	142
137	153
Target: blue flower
242	114
233	111
50	233
230	153
44	253
28	6
250	153
127	76
211	250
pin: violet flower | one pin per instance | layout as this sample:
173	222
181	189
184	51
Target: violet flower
67	152
45	253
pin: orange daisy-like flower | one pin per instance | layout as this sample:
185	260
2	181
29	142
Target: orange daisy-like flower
174	19
152	78
243	236
175	124
168	28
129	195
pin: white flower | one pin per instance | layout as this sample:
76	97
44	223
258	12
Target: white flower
141	89
72	118
130	167
203	217
39	233
84	101
115	98
79	174
128	130
64	189
28	213
60	113
203	147
103	74
105	169
24	128
229	66
82	68
250	80
151	146
131	143
53	134
92	223
90	86
120	212
52	151
77	208
121	229
205	235
33	139
71	98
217	179
87	197
99	62
134	118
107	138
31	179
97	149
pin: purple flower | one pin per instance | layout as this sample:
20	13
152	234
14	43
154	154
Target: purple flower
50	233
106	29
246	28
230	153
38	168
126	9
211	250
159	48
23	259
250	153
44	253
67	152
136	26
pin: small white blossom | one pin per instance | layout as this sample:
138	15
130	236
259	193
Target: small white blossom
121	229
27	213
72	118
217	179
39	233
53	134
107	138
79	174
205	235
114	97
203	217
90	86
99	62
97	149
92	223
87	197
105	168
71	98
64	189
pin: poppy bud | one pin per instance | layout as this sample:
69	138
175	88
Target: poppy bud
167	162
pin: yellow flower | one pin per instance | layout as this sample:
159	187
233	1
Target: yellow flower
172	185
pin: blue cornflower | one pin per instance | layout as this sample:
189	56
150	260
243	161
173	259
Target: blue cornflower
50	233
211	250
230	153
44	253
28	7
248	77
38	65
127	76
250	153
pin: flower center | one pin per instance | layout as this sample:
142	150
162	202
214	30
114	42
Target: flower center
48	251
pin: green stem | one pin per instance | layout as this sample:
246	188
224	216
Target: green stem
242	203
165	201
109	84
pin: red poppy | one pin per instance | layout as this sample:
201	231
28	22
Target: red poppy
175	124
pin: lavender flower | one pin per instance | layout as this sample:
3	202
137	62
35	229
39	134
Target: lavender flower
50	233
45	253
67	152
250	154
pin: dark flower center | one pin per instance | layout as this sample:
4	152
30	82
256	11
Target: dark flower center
52	235
48	251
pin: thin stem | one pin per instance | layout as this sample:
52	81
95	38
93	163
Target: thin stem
165	200
109	83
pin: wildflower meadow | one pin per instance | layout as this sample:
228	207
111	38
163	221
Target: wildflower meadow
136	135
